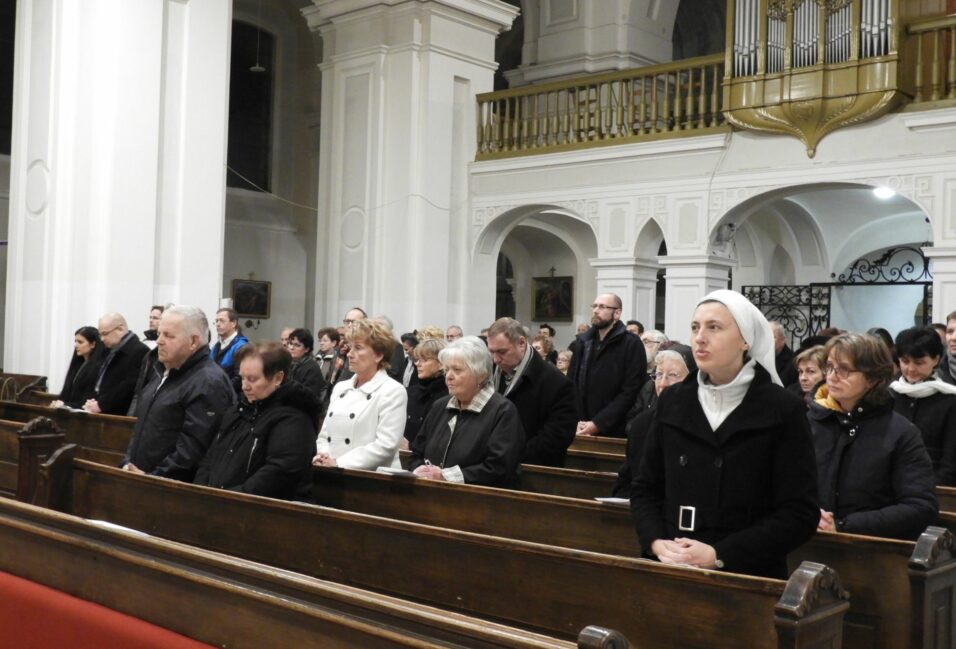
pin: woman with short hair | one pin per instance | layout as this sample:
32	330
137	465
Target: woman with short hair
265	445
365	419
727	478
809	363
474	435
875	476
305	369
328	351
80	382
920	396
430	386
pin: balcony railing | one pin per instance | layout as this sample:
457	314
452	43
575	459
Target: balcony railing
933	76
670	100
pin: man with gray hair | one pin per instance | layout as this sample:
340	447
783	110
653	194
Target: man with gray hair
116	381
182	401
783	355
543	395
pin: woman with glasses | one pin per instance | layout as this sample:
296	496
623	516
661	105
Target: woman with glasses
673	366
366	416
727	478
429	388
875	477
305	369
925	400
80	382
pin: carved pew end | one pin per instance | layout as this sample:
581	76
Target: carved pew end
932	570
597	637
810	611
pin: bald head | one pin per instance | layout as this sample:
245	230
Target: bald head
112	327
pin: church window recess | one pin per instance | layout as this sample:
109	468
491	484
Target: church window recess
251	83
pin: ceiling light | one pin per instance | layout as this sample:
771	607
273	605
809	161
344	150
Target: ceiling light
883	192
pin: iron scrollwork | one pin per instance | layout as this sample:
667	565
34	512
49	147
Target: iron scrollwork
903	265
802	311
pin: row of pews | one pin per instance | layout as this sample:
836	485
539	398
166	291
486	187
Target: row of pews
523	567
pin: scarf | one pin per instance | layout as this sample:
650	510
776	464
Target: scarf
922	389
822	398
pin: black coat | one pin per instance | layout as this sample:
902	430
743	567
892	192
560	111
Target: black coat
119	381
266	447
752	481
607	385
421	396
935	416
178	418
875	474
544	398
786	370
80	383
637	430
306	372
486	445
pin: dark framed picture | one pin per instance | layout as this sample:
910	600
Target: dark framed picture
553	299
251	298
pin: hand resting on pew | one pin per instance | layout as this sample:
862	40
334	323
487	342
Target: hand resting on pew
429	471
324	459
684	551
92	405
132	468
826	523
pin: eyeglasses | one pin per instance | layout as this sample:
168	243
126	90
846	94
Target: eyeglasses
347	322
649	341
604	307
294	344
670	376
104	334
841	371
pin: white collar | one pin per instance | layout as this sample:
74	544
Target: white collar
225	343
718	401
372	384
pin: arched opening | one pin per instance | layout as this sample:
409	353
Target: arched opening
834	254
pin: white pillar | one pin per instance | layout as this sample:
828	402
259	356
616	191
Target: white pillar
635	281
399	80
117	178
688	280
944	280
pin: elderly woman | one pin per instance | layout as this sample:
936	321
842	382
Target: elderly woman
474	435
673	366
265	445
564	360
925	400
366	416
727	478
544	346
429	388
305	369
875	476
80	382
809	363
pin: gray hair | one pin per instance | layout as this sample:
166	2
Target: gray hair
670	354
473	353
657	336
385	320
194	320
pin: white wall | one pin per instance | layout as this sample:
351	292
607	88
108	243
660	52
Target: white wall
859	308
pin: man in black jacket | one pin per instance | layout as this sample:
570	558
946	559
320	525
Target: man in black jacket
608	368
543	395
182	402
117	377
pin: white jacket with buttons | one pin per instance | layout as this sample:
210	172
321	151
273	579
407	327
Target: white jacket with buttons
364	426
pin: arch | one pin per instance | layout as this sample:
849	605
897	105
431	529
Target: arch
575	226
649	240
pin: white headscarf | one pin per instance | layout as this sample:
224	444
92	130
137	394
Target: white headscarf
753	327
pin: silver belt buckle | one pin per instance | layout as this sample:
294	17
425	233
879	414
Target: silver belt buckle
687	518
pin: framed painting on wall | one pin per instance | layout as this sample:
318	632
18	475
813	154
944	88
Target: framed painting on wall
252	298
553	299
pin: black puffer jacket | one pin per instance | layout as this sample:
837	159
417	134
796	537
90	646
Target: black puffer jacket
176	419
935	416
266	447
874	472
421	396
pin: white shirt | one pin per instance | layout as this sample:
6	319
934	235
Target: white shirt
718	401
364	426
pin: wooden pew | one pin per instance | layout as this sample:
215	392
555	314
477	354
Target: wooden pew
100	438
230	602
947	498
593	461
538	587
612	445
571	483
13	386
883	612
23	447
37	397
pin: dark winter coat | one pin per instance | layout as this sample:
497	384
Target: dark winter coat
421	395
786	370
178	418
119	381
266	447
544	398
80	383
637	430
486	445
935	416
607	385
751	482
306	372
874	472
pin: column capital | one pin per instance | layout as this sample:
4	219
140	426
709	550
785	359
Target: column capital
939	252
497	14
696	260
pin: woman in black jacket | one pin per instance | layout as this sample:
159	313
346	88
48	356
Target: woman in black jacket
925	400
875	477
727	478
429	388
305	369
80	382
265	447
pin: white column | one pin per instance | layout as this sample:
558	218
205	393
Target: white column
688	280
117	177
635	281
399	80
944	280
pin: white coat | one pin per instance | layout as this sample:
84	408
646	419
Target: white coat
364	426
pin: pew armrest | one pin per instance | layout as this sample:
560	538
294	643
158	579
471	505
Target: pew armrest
932	570
810	611
54	487
597	637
